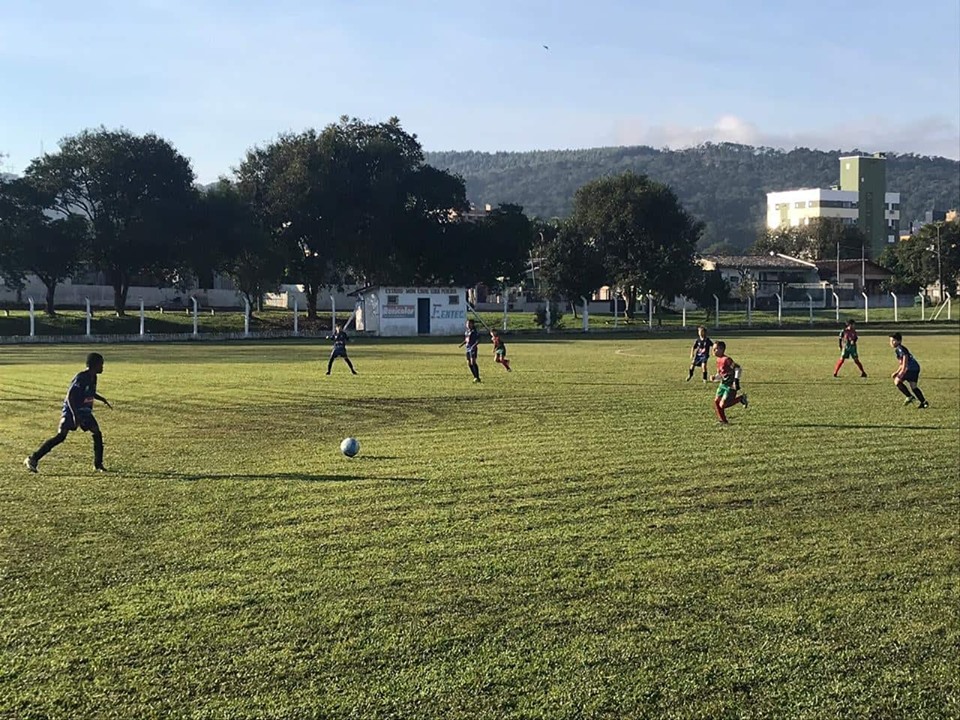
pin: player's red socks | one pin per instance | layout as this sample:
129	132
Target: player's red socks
839	365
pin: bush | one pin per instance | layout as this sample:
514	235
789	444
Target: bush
556	316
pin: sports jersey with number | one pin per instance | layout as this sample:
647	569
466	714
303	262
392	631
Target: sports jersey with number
340	340
701	346
848	337
912	364
725	369
81	394
471	338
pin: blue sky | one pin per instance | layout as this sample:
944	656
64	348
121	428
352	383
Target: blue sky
217	77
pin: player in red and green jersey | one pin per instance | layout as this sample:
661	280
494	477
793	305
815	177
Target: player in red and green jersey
728	374
848	348
499	350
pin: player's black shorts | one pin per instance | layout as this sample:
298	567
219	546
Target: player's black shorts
338	352
911	376
699	360
87	423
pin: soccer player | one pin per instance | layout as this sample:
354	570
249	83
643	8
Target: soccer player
907	372
77	414
700	352
728	375
848	348
340	340
471	338
499	350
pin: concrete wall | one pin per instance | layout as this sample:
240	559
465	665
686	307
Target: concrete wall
101	296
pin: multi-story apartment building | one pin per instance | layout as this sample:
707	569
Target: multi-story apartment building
860	199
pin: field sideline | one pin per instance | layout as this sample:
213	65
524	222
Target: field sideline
576	539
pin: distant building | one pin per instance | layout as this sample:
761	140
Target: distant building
861	199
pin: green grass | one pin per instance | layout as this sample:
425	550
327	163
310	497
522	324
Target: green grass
576	539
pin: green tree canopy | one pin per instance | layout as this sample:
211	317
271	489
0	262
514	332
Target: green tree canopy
644	236
135	191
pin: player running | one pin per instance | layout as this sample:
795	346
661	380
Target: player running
700	353
77	414
728	373
499	350
471	338
848	348
907	372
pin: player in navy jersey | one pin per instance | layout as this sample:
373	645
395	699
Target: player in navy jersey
907	372
471	338
340	340
77	414
700	352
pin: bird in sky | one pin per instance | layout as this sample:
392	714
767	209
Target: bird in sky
546	47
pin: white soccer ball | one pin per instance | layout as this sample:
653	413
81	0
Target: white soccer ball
350	446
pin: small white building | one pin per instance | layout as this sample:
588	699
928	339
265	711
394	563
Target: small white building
406	311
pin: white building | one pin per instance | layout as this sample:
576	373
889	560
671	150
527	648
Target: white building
792	208
405	311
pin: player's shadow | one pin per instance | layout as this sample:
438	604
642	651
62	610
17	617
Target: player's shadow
285	476
838	426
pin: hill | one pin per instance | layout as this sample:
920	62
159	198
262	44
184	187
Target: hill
724	184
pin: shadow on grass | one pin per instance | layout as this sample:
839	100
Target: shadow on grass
285	476
837	426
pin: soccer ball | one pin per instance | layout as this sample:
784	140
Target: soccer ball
350	447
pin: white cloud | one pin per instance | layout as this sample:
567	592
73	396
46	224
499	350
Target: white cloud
925	136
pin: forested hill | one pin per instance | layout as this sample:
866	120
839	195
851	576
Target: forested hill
724	185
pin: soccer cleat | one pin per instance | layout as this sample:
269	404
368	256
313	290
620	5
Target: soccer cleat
923	405
908	401
30	464
476	380
863	374
100	468
327	373
744	400
835	375
354	372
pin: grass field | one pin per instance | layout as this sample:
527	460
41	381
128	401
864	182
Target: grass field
576	539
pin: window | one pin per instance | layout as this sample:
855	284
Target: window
812	203
453	299
393	299
798	205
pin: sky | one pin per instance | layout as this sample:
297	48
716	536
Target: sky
219	77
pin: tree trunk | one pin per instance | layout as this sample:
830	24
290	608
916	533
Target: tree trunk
630	303
121	286
573	308
51	286
311	291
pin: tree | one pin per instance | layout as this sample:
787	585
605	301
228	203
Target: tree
135	192
235	242
35	241
644	236
703	286
501	246
926	258
819	240
570	265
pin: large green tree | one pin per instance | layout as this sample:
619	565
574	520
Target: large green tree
232	240
645	237
33	240
571	266
929	257
135	191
